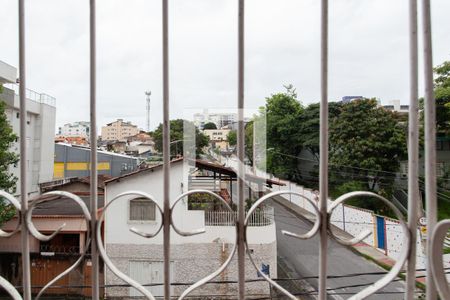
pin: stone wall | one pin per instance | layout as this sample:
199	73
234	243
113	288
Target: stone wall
192	262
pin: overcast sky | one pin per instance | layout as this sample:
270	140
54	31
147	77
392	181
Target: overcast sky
368	52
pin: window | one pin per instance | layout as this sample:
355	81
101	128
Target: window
142	210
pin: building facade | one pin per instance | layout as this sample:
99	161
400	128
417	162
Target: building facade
118	130
395	105
73	161
76	129
219	119
217	134
193	257
40	118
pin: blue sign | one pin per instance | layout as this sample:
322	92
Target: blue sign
265	269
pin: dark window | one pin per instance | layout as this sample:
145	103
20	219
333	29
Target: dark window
142	210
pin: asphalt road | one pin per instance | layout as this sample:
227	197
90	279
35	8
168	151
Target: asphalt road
300	258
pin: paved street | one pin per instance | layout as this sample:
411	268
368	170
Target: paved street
301	258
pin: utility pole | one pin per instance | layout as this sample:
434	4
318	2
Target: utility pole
147	94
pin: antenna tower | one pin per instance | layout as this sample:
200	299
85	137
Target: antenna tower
147	94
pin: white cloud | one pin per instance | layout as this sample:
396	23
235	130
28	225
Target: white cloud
368	52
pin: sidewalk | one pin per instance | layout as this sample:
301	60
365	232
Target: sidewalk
361	248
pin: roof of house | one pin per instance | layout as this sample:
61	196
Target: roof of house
141	171
54	185
63	206
204	165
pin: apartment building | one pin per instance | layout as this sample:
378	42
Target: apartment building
40	118
118	130
220	119
76	129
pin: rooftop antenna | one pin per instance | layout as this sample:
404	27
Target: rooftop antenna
148	93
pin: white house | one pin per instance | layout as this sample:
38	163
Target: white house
40	118
81	129
192	257
217	134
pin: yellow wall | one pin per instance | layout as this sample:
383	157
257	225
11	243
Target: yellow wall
76	166
58	170
59	167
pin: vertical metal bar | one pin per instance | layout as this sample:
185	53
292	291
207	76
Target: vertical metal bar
26	277
323	169
93	141
240	151
430	142
413	150
166	149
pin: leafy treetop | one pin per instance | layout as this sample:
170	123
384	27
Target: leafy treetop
7	158
181	131
210	125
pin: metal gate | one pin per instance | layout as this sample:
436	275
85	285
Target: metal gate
435	273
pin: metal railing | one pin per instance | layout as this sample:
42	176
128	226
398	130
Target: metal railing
261	217
32	95
435	276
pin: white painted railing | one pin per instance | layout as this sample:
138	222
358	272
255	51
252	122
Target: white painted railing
261	217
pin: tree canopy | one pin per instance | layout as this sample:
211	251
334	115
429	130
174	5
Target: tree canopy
442	96
7	158
369	141
366	142
178	135
210	125
232	138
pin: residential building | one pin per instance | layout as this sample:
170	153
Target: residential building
73	161
192	257
347	99
118	130
76	129
142	136
219	119
394	105
217	134
72	140
49	258
40	118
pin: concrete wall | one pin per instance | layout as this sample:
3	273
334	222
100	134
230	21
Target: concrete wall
192	262
39	139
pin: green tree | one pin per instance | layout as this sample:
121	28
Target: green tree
7	158
232	137
210	125
309	125
284	141
180	131
367	144
442	96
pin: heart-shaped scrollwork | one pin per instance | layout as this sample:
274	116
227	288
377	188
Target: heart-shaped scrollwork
403	254
305	236
199	231
8	287
436	251
101	249
56	196
17	206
